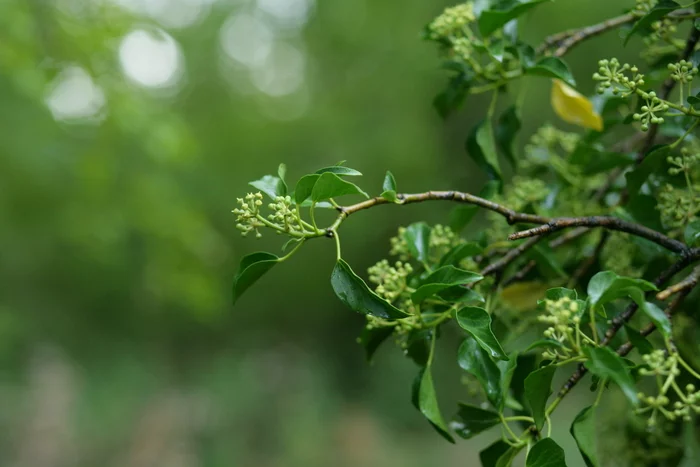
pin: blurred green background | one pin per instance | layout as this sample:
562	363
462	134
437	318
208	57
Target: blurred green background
127	130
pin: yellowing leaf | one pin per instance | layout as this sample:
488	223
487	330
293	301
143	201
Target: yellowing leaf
574	107
523	296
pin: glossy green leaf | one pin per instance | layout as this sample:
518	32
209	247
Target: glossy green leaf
544	344
339	170
389	187
694	101
371	339
653	162
692	233
477	322
653	312
489	456
454	94
417	237
463	295
558	293
661	9
329	185
506	129
538	388
353	292
552	67
252	268
502	12
606	364
282	174
271	186
640	342
591	159
471	420
427	402
606	286
304	187
507	369
476	361
506	460
418	345
481	147
441	279
546	453
459	252
584	432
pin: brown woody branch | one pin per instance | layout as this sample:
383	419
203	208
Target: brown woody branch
688	283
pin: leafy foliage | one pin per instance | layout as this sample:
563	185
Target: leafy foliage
603	245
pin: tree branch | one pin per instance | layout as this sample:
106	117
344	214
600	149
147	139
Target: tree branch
607	222
688	283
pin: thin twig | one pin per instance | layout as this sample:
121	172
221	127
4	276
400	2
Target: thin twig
591	31
607	222
687	283
511	256
557	242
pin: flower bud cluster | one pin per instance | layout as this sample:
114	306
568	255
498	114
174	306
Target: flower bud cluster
560	315
247	214
642	7
683	71
612	75
664	367
649	110
678	207
390	280
284	215
451	23
442	238
683	163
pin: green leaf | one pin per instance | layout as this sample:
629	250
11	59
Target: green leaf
427	402
638	341
606	364
653	312
489	456
502	12
694	101
506	460
481	147
459	252
552	67
538	388
691	451
557	293
606	286
471	420
282	173
477	322
592	160
454	94
652	163
271	186
692	233
304	188
389	187
252	268
329	185
507	128
441	279
418	345
417	237
583	430
339	170
507	369
371	339
354	293
476	361
661	9
464	295
544	343
546	453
